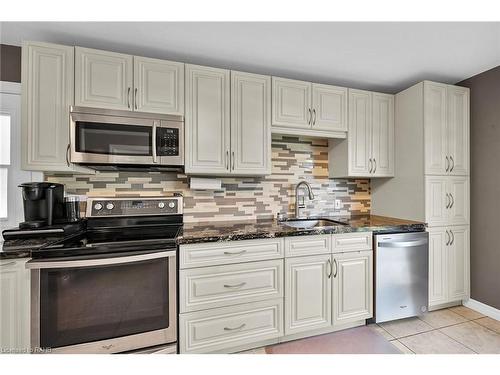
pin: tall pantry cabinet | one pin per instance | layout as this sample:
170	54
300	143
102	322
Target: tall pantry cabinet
431	181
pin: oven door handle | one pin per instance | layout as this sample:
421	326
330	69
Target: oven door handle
37	264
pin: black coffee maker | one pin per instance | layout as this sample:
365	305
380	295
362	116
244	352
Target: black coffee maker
43	204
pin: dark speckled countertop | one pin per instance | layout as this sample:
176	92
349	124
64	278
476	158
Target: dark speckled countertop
245	230
252	229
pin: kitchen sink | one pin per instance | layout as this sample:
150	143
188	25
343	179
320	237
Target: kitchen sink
310	223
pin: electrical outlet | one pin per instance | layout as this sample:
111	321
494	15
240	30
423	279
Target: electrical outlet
338	204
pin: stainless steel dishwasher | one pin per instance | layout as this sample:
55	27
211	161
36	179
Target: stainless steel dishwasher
401	275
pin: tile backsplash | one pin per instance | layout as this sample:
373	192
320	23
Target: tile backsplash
293	159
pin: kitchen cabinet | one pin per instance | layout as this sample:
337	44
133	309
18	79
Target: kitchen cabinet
158	86
47	94
207	126
446	129
308	293
227	130
368	150
446	200
15	306
448	264
113	80
310	109
103	79
352	287
250	124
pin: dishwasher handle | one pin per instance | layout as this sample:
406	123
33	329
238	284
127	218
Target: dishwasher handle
403	243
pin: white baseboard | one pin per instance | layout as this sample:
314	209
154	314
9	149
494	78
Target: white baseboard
482	308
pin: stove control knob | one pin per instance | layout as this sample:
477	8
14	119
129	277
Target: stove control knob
161	205
171	205
110	206
97	206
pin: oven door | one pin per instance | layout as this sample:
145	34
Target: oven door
106	305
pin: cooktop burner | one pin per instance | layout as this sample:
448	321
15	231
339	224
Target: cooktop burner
121	227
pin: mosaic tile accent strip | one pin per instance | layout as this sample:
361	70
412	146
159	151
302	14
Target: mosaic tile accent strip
293	159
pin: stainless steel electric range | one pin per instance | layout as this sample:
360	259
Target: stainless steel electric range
111	287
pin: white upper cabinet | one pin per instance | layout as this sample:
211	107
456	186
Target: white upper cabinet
228	122
250	124
359	134
47	94
447	200
112	80
458	130
369	148
158	86
305	108
329	106
291	103
207	126
382	135
103	79
446	129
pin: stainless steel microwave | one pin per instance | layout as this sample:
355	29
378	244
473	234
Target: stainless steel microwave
105	138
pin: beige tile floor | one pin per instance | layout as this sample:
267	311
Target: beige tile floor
456	330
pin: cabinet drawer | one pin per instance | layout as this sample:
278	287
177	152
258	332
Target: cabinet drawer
307	245
229	327
352	242
218	253
209	287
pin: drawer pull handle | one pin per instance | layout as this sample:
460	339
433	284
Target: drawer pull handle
236	253
235	286
235	328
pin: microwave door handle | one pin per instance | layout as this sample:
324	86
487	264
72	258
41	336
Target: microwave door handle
153	142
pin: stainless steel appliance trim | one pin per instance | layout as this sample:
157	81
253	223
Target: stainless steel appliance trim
118	344
402	243
90	203
153	142
33	264
126	114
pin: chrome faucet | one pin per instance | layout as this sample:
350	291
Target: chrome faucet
298	205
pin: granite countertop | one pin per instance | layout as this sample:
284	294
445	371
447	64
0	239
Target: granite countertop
244	230
252	229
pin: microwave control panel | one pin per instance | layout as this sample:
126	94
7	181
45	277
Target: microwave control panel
167	142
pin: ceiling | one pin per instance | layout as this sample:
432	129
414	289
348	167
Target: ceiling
384	56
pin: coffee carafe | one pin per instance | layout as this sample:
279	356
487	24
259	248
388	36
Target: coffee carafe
43	204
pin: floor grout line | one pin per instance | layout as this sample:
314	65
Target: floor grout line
461	343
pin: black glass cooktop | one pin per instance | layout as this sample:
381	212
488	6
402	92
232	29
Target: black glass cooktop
104	237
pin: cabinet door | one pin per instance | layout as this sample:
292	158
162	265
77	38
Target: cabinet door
207	120
359	134
14	306
47	94
435	137
158	86
458	263
250	124
308	293
458	192
103	79
329	104
458	130
438	265
437	200
291	103
352	287
382	135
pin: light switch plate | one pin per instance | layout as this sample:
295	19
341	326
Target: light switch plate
338	204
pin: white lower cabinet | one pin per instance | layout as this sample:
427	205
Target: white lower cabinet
14	306
448	264
352	287
227	328
308	296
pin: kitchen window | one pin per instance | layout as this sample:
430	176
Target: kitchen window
5	125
